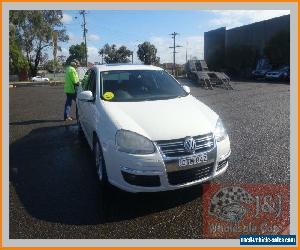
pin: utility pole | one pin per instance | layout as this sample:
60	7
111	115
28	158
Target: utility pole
186	52
54	43
132	57
101	53
174	34
83	13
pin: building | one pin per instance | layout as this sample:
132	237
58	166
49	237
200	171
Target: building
255	35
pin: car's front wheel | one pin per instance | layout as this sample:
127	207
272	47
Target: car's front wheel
99	163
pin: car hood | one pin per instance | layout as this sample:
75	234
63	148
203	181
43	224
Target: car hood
163	119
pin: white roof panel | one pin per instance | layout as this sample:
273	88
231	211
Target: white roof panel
109	67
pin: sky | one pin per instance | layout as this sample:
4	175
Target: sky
132	27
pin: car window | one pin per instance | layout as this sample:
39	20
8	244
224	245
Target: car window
139	85
85	80
92	82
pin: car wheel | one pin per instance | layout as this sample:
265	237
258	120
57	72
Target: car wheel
100	163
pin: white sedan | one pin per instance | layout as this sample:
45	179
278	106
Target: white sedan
147	132
39	79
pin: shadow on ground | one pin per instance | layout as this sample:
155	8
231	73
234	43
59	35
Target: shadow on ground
52	171
34	122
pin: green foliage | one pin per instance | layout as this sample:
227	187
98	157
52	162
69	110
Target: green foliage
77	52
147	53
240	60
17	62
62	60
52	65
32	30
112	54
277	49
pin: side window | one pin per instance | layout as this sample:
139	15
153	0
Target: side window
92	82
85	80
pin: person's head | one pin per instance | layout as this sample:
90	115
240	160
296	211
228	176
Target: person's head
75	63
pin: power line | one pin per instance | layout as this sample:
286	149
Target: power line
174	34
83	13
186	51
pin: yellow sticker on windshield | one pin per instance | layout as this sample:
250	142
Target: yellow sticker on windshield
108	95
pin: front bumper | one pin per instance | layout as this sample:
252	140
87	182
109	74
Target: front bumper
153	173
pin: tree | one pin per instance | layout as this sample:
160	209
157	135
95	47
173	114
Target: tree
33	30
62	60
17	62
53	64
76	51
147	53
112	54
277	49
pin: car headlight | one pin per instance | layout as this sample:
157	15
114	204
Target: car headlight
220	131
133	143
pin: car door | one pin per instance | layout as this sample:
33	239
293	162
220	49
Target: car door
82	105
90	107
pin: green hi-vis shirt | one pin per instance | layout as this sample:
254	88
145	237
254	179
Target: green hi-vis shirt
71	78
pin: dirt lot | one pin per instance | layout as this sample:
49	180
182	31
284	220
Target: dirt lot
54	191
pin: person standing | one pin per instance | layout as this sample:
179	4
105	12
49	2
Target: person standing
70	86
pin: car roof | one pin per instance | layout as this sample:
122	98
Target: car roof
110	67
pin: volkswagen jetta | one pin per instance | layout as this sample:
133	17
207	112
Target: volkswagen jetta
147	132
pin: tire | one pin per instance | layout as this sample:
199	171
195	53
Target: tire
99	163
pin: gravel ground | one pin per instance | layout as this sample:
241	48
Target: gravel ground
54	191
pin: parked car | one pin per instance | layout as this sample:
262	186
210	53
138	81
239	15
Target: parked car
262	67
258	74
39	79
147	132
282	73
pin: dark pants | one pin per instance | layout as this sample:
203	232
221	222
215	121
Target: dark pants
70	98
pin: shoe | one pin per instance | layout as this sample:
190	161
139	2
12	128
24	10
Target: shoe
69	119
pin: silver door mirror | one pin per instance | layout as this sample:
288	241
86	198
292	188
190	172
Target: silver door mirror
187	89
86	96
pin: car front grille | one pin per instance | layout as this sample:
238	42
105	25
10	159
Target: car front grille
190	175
175	148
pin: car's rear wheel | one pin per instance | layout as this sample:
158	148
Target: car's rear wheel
99	163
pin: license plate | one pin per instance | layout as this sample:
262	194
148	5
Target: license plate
192	160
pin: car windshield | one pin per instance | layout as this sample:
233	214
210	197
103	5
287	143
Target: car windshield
139	85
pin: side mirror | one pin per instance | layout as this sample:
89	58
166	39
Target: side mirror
86	96
187	89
